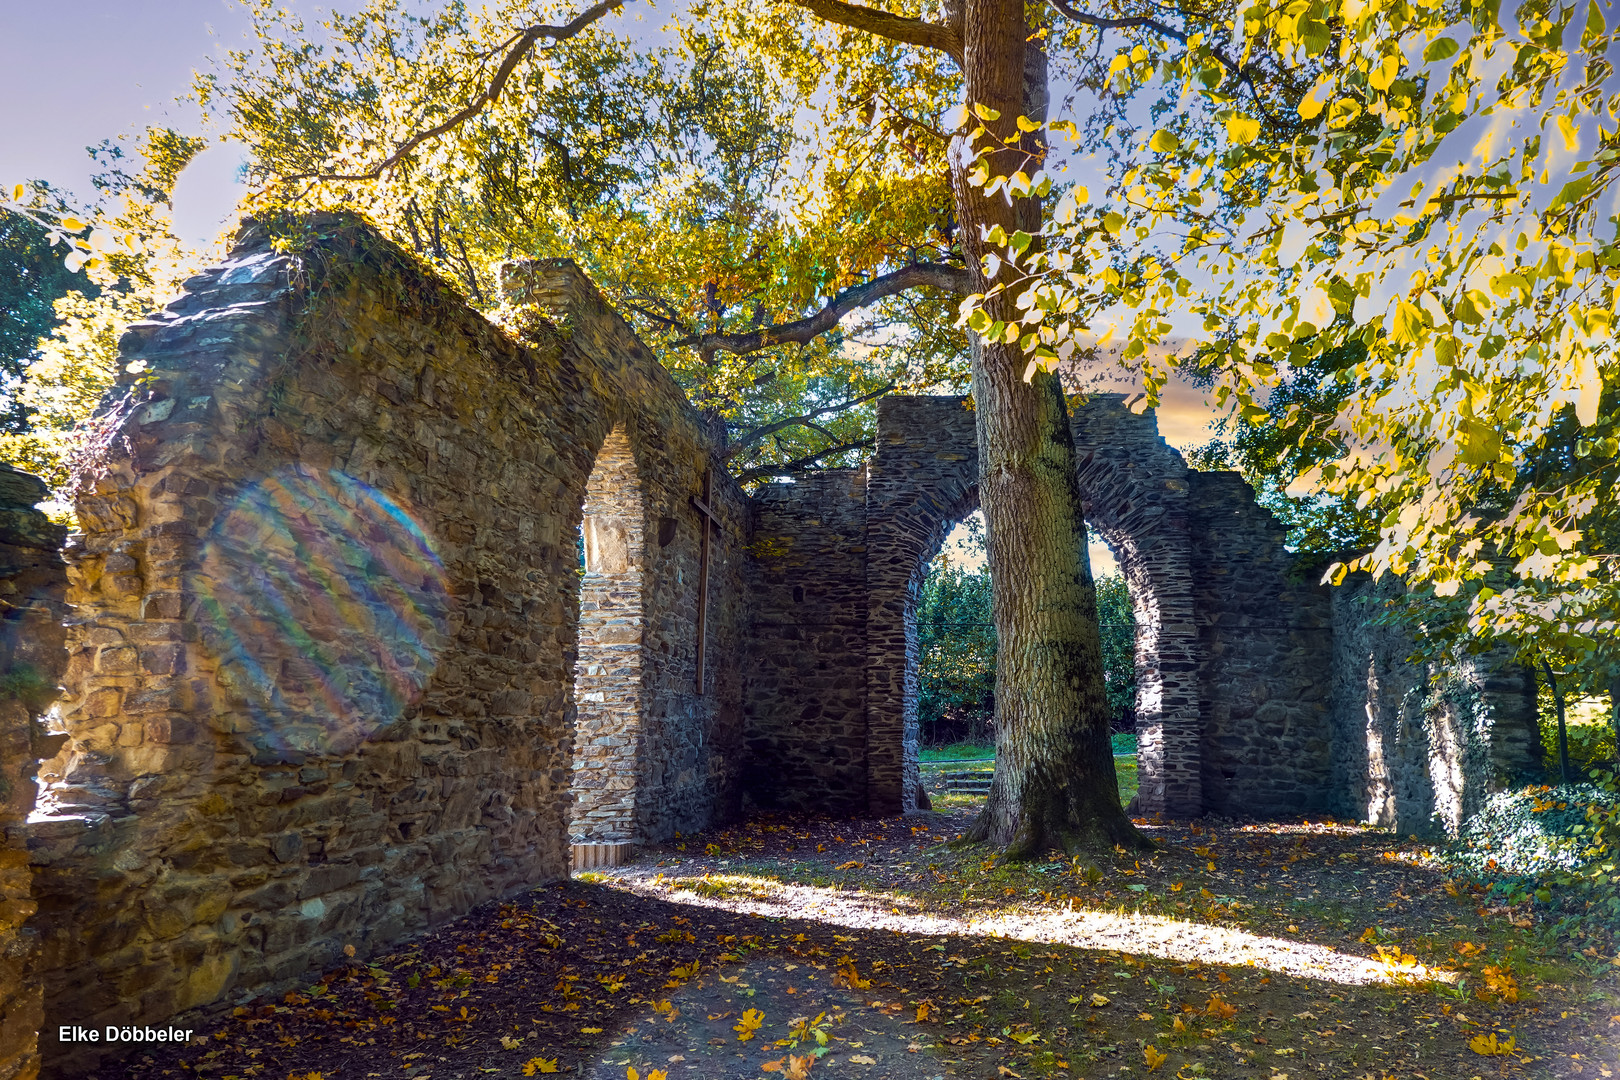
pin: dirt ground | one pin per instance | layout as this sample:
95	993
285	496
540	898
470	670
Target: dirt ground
873	949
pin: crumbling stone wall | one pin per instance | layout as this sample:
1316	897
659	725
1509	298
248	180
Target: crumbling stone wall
1419	745
1265	644
320	689
32	583
807	686
921	480
1135	488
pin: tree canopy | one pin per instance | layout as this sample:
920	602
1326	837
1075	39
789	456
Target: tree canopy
1429	229
674	165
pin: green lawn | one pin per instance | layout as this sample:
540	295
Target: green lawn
1123	744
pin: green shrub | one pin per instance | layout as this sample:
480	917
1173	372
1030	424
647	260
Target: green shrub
1589	744
1559	846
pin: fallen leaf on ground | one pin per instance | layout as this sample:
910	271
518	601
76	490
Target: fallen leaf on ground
1487	1046
748	1024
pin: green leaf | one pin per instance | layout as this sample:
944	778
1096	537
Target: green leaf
1440	49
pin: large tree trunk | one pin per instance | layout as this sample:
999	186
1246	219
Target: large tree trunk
1054	784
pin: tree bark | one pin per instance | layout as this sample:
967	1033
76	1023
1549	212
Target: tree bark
1054	784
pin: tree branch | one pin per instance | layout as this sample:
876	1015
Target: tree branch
947	39
1179	36
759	472
518	46
952	279
808	420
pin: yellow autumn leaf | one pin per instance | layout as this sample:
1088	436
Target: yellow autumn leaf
748	1024
1164	142
1343	112
1098	1001
1153	1057
1312	104
1488	1046
539	1065
73	224
1242	129
1570	131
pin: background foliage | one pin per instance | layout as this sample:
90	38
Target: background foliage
956	644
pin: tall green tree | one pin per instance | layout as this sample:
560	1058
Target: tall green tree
114	271
32	278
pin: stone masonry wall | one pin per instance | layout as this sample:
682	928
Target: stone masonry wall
1135	490
1418	746
320	669
807	688
1265	637
921	481
32	582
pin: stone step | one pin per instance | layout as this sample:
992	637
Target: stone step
596	855
974	774
968	787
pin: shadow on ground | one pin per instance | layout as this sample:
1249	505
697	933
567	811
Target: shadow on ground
861	949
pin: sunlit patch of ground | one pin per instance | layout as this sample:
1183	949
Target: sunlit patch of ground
874	950
1179	940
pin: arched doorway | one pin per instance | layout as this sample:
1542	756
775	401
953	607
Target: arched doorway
923	479
608	703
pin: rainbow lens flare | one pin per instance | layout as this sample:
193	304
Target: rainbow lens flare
326	607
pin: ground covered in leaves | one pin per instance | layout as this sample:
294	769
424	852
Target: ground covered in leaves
872	949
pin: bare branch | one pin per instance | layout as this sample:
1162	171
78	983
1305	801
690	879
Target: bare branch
807	420
952	279
947	39
759	472
518	46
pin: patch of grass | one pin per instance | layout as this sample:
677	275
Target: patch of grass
957	752
1125	769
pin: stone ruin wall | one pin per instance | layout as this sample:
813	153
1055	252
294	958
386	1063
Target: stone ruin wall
807	691
1265	635
921	480
1201	569
1418	746
33	581
1135	488
319	469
